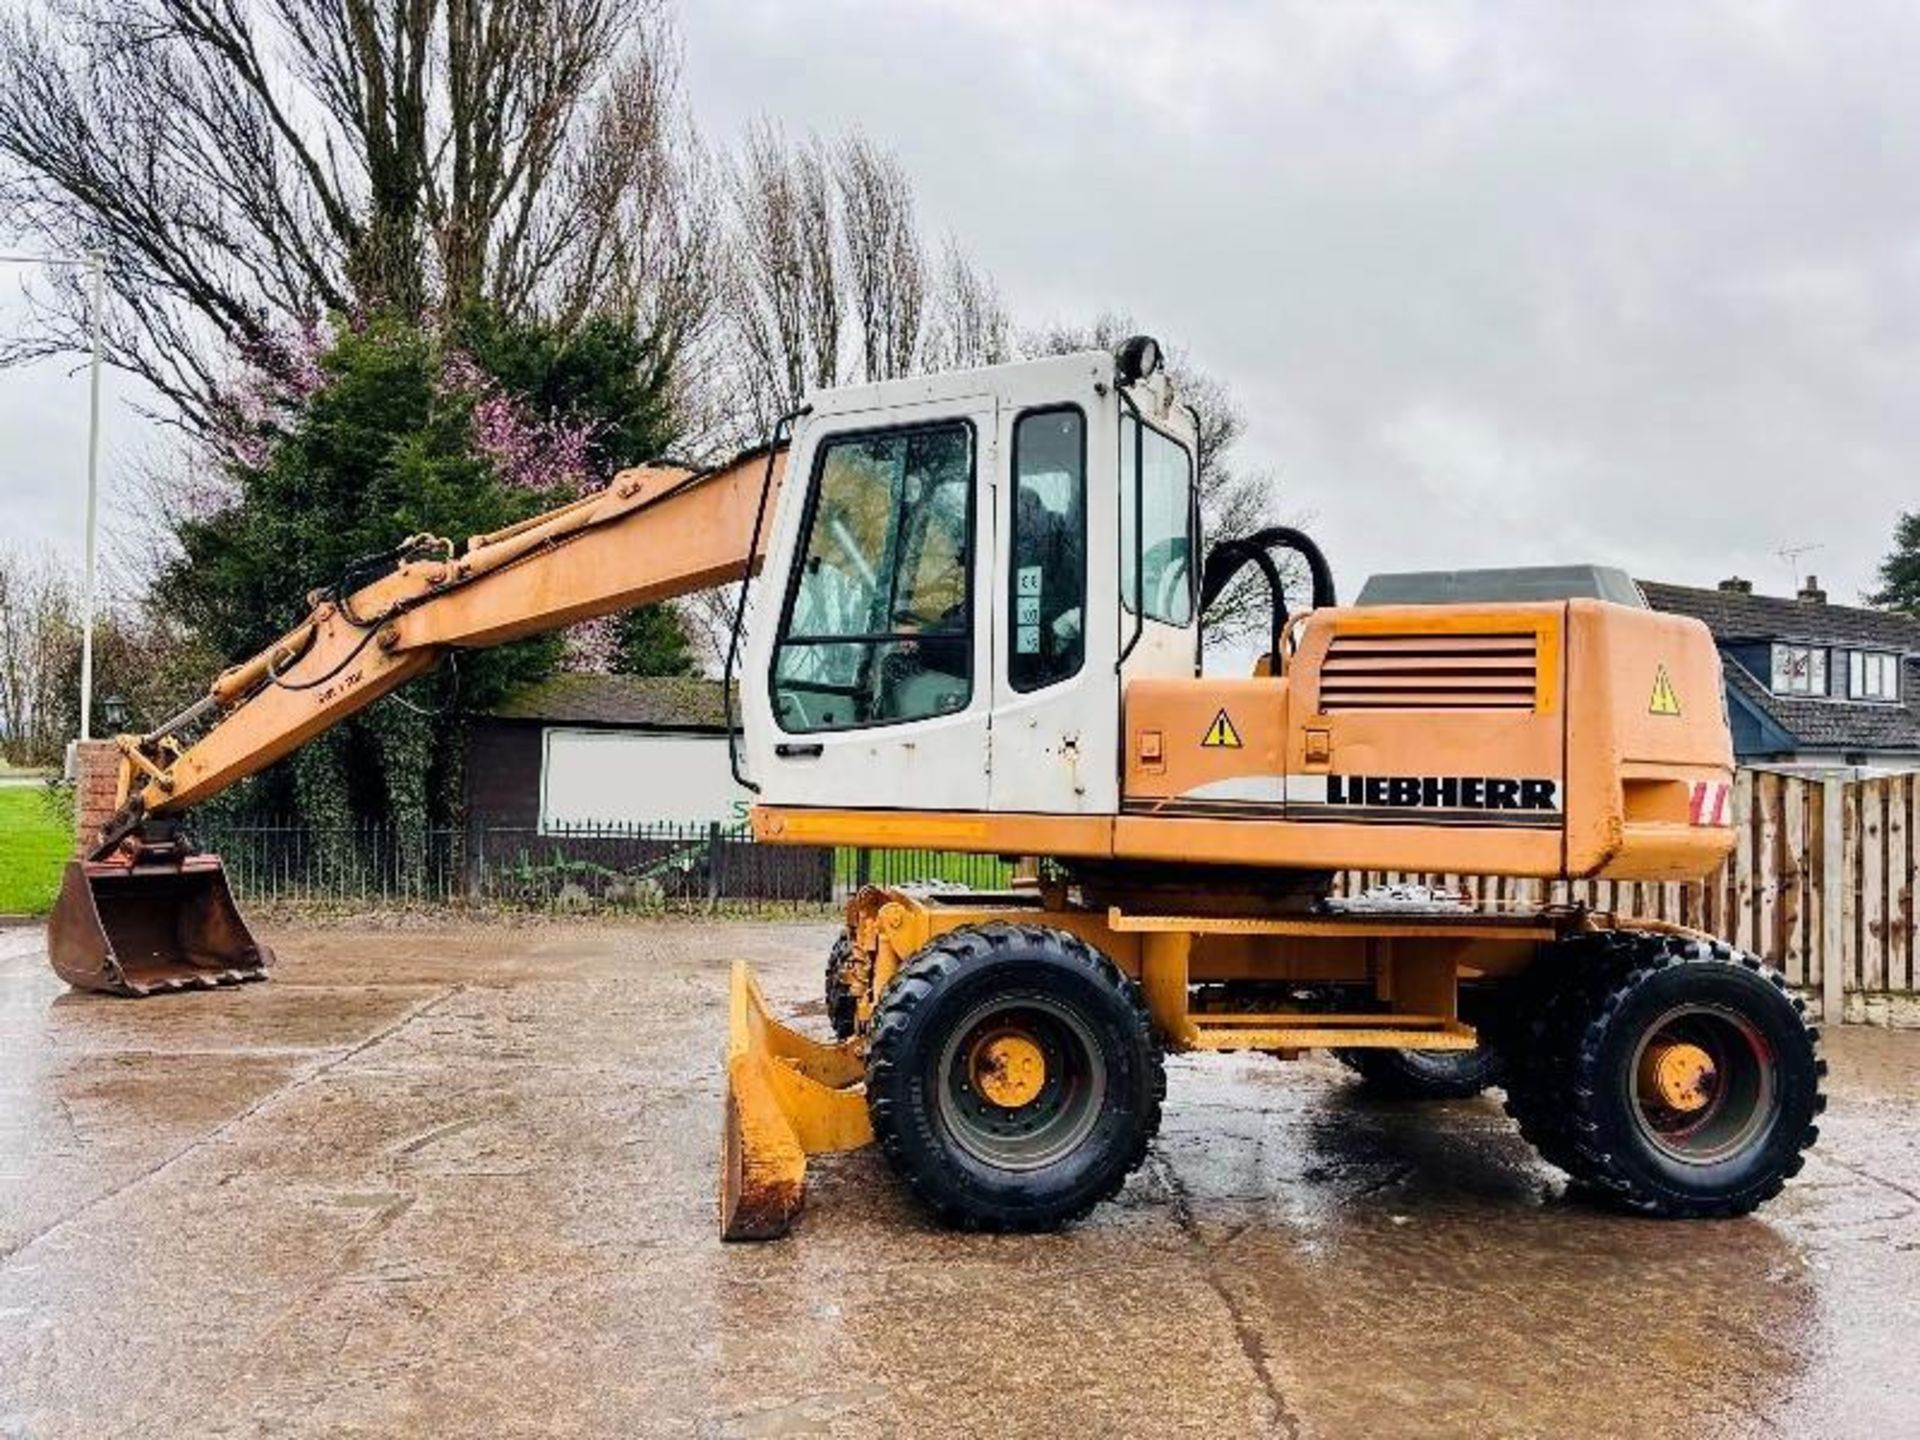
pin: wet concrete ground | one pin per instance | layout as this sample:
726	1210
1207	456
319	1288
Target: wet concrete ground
462	1183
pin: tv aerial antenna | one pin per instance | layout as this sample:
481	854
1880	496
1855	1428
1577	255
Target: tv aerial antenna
1790	557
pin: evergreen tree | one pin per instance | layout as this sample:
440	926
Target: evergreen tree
617	385
393	431
1900	571
649	641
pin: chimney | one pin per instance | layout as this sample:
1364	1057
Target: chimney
1734	585
1811	593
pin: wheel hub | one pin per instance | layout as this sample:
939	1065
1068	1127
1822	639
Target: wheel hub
1702	1085
1679	1075
1022	1082
1008	1068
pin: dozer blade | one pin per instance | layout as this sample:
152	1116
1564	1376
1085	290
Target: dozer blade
141	929
788	1097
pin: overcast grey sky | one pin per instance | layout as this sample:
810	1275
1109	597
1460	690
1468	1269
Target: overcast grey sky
43	439
1496	283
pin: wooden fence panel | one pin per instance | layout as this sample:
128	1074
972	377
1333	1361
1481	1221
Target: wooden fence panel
1851	972
1721	883
1792	882
1745	867
1900	834
1816	870
1873	885
1768	867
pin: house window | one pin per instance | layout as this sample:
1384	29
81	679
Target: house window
1873	676
1799	670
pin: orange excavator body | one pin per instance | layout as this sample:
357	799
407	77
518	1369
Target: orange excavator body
1514	739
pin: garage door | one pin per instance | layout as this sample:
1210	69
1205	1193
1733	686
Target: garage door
610	777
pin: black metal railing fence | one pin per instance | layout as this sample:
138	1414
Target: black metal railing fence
576	868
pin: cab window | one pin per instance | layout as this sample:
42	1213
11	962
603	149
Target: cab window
1047	591
1162	506
877	629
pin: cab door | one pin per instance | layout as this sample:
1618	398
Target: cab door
1056	720
1090	595
877	665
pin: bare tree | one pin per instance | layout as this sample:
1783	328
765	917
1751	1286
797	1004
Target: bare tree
1233	502
827	280
247	164
783	295
886	268
706	620
146	660
970	325
39	625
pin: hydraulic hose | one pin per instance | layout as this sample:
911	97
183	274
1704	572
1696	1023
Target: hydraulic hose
784	423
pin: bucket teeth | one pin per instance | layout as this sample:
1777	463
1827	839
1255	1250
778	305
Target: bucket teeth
146	930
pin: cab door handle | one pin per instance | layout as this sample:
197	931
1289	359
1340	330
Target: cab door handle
787	751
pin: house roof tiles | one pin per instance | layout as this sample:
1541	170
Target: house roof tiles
1823	724
670	702
1733	616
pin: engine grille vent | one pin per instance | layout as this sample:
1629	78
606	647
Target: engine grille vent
1429	672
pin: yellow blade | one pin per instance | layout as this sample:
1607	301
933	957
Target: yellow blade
788	1096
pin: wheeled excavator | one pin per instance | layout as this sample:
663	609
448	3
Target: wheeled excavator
977	607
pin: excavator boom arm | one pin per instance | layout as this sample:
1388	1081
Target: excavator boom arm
653	534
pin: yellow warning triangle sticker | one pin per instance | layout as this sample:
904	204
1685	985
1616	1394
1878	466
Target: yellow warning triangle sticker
1664	701
1221	735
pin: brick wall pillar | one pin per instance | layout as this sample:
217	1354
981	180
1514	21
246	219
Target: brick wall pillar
96	777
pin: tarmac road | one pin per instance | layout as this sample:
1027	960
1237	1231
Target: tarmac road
461	1182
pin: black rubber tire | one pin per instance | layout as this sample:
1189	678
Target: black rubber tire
1425	1074
1537	1024
937	992
1615	1159
843	1006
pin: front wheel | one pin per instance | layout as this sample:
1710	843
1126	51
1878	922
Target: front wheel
1693	1085
843	1003
1012	1077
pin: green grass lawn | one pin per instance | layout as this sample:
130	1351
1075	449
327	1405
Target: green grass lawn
35	842
906	867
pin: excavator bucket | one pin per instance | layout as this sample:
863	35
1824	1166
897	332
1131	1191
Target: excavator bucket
141	929
788	1097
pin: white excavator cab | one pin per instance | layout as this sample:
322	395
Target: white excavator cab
962	572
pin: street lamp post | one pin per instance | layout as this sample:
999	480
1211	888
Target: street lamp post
96	263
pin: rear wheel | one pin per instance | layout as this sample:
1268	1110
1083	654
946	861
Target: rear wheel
1540	1022
1694	1084
1012	1077
1669	1075
1425	1074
